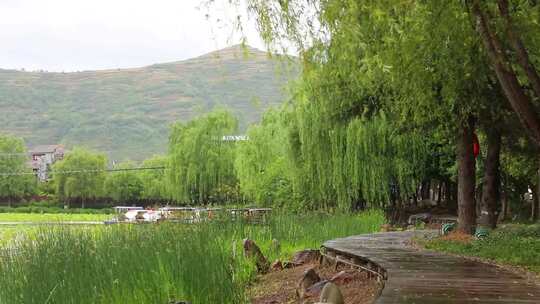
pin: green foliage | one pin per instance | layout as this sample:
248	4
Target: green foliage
155	182
200	263
13	159
123	186
385	88
201	161
262	164
80	175
377	157
515	245
348	152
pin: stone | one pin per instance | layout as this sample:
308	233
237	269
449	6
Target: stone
309	278
331	294
316	288
386	228
342	277
306	256
252	251
419	217
276	266
329	259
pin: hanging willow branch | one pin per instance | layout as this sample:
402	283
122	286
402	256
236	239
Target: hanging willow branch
201	162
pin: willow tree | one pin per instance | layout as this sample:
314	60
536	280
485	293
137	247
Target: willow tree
80	175
420	61
349	158
262	163
202	158
123	185
15	181
333	103
431	59
155	181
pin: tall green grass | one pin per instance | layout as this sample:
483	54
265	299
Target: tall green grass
202	263
53	217
517	245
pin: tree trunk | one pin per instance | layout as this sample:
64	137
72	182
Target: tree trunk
504	207
478	198
452	196
536	200
466	179
534	204
518	46
492	181
439	192
425	190
521	103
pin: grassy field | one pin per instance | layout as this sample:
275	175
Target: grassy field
52	217
202	263
517	245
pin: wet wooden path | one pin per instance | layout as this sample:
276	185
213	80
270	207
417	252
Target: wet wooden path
424	277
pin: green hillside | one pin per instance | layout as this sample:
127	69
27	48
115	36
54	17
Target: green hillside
127	112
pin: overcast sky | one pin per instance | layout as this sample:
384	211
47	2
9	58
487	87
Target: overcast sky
73	35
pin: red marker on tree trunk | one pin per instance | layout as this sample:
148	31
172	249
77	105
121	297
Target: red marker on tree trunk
476	145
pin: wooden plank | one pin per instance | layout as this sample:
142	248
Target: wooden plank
424	277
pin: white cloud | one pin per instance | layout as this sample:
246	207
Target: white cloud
70	35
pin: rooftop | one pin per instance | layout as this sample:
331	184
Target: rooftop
45	149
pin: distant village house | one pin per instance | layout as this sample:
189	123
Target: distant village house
42	157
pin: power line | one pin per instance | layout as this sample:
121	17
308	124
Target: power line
15	154
83	171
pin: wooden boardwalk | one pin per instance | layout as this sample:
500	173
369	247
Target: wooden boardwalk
424	277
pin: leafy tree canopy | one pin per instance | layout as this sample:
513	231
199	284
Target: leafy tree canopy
123	186
13	159
262	164
80	175
155	182
201	160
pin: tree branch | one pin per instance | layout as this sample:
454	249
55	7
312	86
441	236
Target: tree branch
519	100
519	48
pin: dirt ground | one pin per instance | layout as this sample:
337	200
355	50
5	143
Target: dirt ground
280	286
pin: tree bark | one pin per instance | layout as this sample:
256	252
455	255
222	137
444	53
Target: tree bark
424	191
534	204
535	212
492	181
451	196
439	192
521	103
518	46
466	179
478	198
504	207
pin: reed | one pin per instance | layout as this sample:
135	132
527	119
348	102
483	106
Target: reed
202	263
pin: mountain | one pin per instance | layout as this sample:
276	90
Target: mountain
127	112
